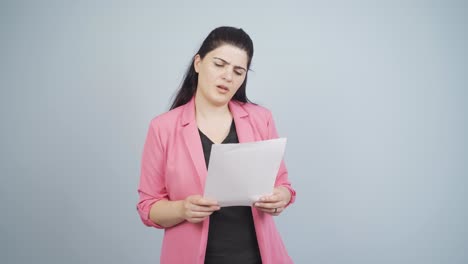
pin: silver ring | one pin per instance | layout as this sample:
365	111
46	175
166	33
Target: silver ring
276	210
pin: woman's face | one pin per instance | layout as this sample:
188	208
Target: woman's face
220	73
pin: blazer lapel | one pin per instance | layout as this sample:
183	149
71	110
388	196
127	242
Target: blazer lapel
193	141
244	129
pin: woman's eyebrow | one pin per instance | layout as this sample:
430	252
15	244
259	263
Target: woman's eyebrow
235	66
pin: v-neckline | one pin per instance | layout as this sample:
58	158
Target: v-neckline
231	127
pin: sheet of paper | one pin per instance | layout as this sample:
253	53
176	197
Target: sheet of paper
239	174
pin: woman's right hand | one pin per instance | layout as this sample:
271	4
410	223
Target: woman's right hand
195	208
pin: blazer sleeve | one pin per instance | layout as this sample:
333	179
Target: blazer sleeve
282	177
152	186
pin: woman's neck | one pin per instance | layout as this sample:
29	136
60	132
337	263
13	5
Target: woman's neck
207	110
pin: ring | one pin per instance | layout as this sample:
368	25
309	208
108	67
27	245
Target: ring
276	210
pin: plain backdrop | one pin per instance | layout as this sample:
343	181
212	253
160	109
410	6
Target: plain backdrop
372	96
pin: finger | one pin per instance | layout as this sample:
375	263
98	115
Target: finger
205	202
270	198
270	205
194	214
198	208
271	211
196	219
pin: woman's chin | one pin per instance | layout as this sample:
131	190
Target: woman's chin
221	99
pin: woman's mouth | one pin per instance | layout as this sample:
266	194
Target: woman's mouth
222	88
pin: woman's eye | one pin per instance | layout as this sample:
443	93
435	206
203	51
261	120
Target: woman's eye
219	64
238	73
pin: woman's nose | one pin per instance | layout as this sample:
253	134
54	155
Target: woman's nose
227	75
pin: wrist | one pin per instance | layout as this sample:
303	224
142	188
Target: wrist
180	209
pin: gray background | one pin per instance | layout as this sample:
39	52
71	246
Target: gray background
372	97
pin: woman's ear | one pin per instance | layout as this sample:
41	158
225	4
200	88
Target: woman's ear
196	62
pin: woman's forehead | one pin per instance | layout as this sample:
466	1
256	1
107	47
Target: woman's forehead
230	54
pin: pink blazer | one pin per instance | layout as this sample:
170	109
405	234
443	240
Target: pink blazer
173	167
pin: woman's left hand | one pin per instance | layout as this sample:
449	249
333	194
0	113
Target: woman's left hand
274	204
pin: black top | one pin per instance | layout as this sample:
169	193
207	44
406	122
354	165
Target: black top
231	234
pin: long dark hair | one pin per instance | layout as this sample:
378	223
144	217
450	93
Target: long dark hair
218	37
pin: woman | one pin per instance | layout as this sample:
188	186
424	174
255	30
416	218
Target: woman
211	107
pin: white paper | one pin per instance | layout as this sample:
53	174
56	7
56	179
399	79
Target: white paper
239	174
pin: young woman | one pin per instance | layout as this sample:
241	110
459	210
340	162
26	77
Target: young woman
211	107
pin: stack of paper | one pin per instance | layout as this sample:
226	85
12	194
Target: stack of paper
239	174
